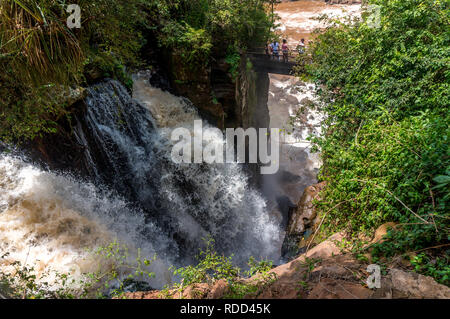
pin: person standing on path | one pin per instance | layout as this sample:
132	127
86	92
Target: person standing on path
275	50
301	46
268	50
285	50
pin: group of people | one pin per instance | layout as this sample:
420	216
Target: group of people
273	50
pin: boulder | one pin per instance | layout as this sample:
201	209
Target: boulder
75	95
292	100
300	219
307	102
417	286
410	285
219	290
338	289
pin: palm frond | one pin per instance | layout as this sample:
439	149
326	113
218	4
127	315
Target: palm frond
44	48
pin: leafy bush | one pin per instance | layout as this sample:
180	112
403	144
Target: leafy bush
39	53
195	28
193	45
32	114
385	147
212	267
233	59
437	268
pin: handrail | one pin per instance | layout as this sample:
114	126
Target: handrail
270	55
261	51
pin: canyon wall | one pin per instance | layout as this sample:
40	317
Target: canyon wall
221	99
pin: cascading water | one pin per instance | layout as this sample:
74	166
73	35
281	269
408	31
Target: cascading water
48	219
206	199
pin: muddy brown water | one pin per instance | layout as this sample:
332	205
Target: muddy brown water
297	18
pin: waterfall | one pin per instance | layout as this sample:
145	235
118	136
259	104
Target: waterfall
48	221
134	194
206	199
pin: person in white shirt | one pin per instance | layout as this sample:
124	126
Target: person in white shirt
301	46
275	50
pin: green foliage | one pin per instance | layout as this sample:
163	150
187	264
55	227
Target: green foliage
402	66
443	183
386	173
212	267
438	268
117	270
32	114
36	43
109	66
193	29
24	284
39	53
385	148
233	59
261	277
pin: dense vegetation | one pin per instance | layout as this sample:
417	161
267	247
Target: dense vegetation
204	26
212	266
385	149
385	89
120	272
41	58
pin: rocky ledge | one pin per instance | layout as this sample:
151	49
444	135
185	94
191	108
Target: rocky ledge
324	272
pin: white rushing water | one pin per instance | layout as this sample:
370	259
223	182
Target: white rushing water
221	202
50	220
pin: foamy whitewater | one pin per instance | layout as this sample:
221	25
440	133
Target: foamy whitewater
50	221
222	203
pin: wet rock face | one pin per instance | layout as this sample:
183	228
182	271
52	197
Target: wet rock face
160	80
224	101
197	85
305	214
301	221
